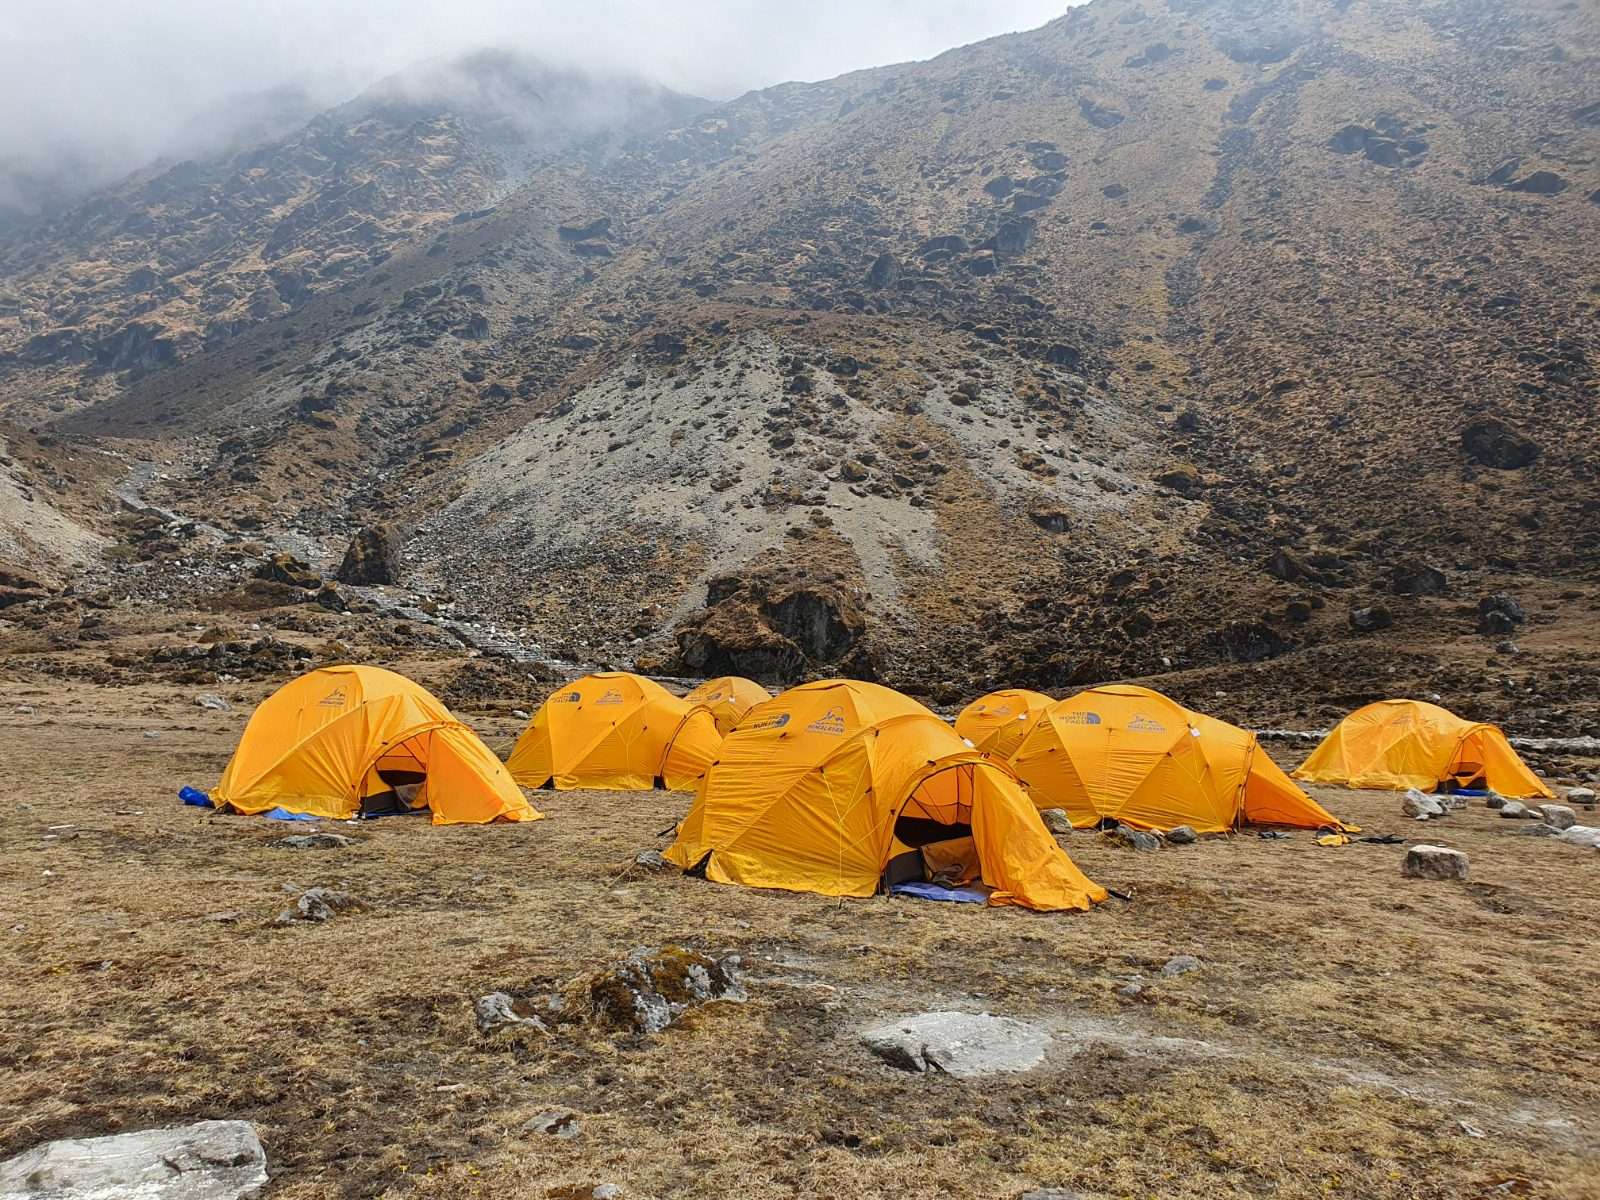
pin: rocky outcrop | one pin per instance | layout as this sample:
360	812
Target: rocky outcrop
1493	443
774	627
373	557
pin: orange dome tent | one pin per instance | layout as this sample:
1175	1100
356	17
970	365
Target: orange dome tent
818	789
615	732
1136	756
728	699
1406	744
997	723
334	742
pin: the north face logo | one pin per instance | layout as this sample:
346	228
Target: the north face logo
1080	718
774	721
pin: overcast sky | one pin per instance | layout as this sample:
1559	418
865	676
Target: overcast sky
109	84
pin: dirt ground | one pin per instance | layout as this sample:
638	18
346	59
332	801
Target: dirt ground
1350	1033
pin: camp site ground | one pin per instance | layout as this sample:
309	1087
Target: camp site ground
1347	1033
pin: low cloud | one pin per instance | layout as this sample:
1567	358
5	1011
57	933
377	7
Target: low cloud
94	90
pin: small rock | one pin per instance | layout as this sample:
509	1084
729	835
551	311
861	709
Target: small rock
1056	820
1134	839
1418	804
1581	835
1580	795
1558	815
497	1011
606	1191
25	710
151	735
519	714
1130	991
1434	862
1514	810
1494	800
1050	1194
563	1125
1181	964
209	1160
653	859
1472	1131
957	1043
1370	620
1539	829
318	904
1181	835
212	701
314	841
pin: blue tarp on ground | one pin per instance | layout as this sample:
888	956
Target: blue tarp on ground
935	891
283	814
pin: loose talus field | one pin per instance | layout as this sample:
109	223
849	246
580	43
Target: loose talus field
1347	1033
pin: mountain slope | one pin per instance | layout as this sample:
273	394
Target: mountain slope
1164	336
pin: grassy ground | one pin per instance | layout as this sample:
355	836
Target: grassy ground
1344	1026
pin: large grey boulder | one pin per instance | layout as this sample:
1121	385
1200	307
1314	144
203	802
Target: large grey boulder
1559	815
210	1160
1581	835
958	1043
1514	810
1420	805
1434	862
1182	835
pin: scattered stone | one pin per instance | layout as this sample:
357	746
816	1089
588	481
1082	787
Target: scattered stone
1514	810
25	710
213	702
1499	614
643	993
498	1011
606	1191
520	714
1472	1131
1423	807
1131	991
151	735
1579	795
1134	839
563	1125
314	841
1056	820
209	1160
1559	816
1434	862
653	859
1180	964
1050	1194
1494	800
1581	835
961	1044
318	904
1181	835
1370	620
1539	829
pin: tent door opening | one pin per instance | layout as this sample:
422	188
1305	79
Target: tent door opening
397	781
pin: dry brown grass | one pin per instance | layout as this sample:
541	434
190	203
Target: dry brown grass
1344	1022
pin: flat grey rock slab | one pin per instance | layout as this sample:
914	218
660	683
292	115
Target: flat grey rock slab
958	1043
209	1160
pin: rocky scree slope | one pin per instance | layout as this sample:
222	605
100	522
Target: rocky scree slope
1222	330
